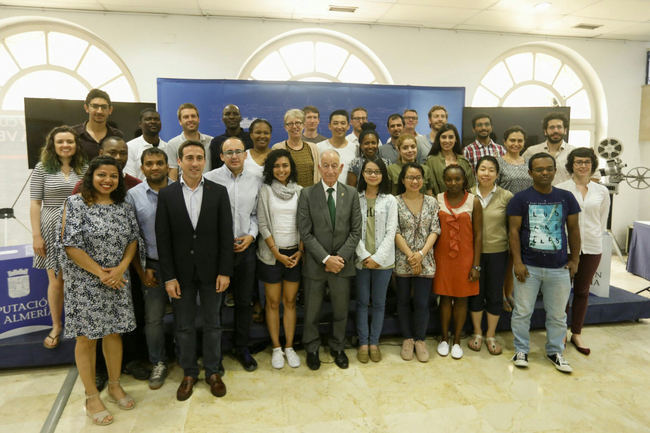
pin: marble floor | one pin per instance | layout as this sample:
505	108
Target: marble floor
609	391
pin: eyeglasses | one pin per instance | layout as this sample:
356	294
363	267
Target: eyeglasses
230	153
410	117
292	124
98	106
363	119
582	162
413	178
372	172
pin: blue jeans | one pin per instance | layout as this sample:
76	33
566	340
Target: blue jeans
371	283
155	299
555	284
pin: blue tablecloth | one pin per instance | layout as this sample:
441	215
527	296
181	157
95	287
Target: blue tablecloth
638	260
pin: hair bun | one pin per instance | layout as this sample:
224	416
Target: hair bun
368	126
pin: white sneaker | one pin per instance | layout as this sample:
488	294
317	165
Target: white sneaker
456	351
277	358
292	357
443	348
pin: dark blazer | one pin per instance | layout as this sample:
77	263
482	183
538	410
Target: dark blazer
181	249
316	230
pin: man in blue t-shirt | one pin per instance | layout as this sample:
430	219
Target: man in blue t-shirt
538	217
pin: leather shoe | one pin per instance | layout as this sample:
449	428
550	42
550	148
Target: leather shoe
340	358
584	350
217	387
244	357
313	361
184	390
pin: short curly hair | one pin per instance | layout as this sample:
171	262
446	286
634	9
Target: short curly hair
582	152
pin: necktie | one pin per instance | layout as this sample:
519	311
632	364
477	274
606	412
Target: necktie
332	206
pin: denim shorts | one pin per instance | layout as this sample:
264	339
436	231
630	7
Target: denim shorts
277	273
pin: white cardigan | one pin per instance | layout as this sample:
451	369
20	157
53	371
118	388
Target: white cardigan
385	228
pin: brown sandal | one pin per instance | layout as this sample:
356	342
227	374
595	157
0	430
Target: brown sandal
493	346
54	339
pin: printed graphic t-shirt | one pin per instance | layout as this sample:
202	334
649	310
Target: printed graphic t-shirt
543	221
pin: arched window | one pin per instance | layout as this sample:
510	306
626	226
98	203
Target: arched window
52	59
46	58
315	55
547	75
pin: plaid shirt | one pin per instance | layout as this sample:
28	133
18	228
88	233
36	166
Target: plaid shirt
474	151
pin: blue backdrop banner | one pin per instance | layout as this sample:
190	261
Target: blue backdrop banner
270	100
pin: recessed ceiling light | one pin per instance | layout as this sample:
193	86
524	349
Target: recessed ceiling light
583	26
542	6
348	9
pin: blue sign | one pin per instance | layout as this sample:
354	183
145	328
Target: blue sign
271	99
23	293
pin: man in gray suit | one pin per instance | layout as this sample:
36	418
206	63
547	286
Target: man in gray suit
329	220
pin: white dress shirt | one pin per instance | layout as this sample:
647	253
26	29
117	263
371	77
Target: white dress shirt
593	216
193	199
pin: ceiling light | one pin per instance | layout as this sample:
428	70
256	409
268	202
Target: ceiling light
347	9
587	26
542	6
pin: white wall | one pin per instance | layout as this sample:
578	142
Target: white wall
197	47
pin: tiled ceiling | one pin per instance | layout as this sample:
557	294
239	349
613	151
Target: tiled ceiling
616	19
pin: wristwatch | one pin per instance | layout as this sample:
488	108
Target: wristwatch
478	268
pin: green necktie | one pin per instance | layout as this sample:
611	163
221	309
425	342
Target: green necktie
332	206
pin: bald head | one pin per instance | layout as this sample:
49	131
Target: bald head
330	166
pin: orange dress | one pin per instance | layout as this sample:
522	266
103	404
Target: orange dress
454	251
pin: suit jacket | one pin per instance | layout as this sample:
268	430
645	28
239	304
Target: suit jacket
182	250
316	231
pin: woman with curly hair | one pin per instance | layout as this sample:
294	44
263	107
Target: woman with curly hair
62	164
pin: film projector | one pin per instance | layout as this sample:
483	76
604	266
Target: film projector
611	150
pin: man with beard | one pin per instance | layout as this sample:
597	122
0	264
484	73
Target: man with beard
95	129
188	118
437	117
395	125
144	199
483	145
150	126
358	116
555	127
231	118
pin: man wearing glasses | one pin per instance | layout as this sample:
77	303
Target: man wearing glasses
410	117
359	116
242	187
92	132
231	118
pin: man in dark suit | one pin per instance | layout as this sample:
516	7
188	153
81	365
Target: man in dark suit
329	220
194	236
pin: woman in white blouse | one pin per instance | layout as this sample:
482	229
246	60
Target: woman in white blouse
375	254
593	198
279	250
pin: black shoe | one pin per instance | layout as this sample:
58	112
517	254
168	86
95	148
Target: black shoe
101	379
137	369
313	361
340	358
244	357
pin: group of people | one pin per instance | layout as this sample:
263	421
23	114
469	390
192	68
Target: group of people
199	216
